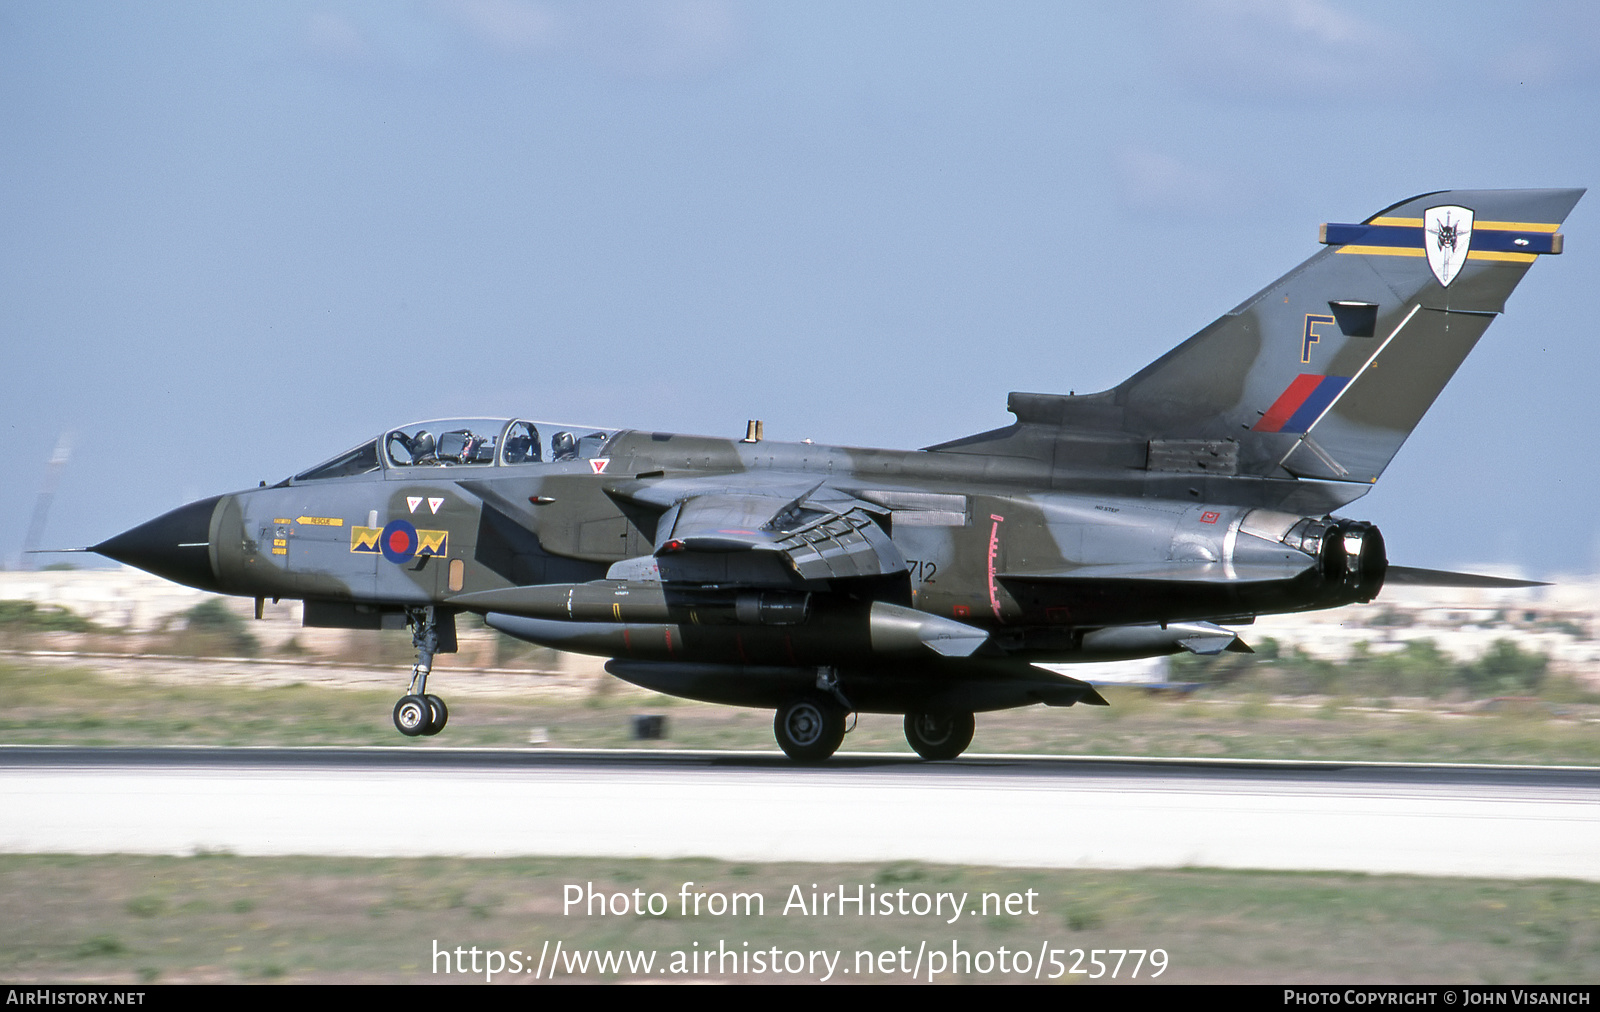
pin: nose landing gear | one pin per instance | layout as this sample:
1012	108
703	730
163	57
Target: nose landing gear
418	712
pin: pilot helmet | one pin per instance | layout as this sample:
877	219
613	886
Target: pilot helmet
422	446
563	445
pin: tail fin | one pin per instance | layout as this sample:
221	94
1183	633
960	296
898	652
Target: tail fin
1324	373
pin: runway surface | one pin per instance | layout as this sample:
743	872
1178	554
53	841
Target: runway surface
1503	822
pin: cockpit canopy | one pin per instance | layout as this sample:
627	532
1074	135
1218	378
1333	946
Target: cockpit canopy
466	442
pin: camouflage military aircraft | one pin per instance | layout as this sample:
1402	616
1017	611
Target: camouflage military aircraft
823	581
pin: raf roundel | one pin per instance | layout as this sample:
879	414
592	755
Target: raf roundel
398	541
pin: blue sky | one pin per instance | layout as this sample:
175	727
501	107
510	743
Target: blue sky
240	238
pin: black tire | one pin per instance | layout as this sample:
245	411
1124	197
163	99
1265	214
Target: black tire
412	716
939	735
809	730
439	715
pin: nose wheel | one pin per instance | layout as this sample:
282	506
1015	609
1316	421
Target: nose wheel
420	715
418	712
439	713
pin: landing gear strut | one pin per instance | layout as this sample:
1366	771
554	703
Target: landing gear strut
417	712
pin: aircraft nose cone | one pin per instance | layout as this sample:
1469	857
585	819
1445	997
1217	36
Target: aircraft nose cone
175	545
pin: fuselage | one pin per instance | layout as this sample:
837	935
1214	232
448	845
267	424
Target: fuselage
1039	554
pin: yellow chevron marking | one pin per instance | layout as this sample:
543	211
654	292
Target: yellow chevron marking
432	542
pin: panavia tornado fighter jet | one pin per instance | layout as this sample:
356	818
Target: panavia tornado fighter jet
823	581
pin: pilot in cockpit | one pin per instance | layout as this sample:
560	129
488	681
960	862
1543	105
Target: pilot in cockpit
563	446
417	449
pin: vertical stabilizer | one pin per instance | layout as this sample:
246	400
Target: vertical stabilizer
1325	372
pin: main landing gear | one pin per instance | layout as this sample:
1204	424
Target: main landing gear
939	735
810	728
418	712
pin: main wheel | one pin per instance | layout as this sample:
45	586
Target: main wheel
939	735
809	730
439	714
412	716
